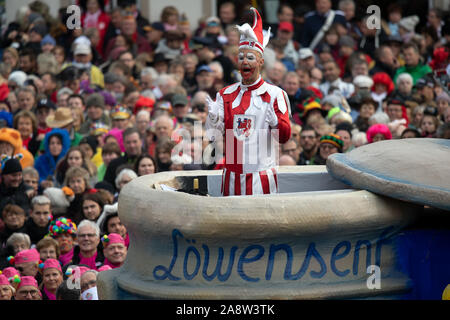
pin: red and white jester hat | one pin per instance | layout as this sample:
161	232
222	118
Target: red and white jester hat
253	37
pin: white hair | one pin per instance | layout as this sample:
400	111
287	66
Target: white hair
149	71
148	94
18	237
88	223
143	113
62	91
404	76
359	138
127	172
164	79
379	117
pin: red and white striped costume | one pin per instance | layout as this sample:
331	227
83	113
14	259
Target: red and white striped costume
249	169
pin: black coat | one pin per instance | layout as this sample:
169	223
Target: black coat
35	232
15	196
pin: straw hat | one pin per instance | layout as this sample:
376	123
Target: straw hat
61	118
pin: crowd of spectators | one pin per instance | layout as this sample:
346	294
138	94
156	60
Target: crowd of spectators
84	111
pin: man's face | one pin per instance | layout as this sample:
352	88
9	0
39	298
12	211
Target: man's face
121	124
286	14
41	214
94	112
88	280
360	70
128	27
115	253
322	6
308	63
291	85
345	136
133	144
411	57
331	72
12	180
226	14
163	129
250	63
180	111
115	226
308	140
83	58
87	239
290	148
388	56
146	82
28	268
25	64
28	293
14	220
405	86
394	111
76	103
48	253
327	149
142	122
285	36
20	246
205	80
127	59
26	100
349	11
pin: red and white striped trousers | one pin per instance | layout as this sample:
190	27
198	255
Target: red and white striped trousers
262	182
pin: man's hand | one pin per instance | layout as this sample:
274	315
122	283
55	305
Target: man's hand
213	109
271	118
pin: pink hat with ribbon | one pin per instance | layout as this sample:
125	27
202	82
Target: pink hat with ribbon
30	255
4	280
112	238
52	263
253	37
28	281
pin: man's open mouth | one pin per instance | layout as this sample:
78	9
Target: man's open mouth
246	71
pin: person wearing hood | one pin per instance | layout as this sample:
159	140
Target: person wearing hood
56	144
11	145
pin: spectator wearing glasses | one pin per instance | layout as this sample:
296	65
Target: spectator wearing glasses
28	289
88	250
309	145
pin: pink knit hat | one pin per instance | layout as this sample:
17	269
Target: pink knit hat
30	255
28	281
10	272
104	268
52	263
4	281
112	238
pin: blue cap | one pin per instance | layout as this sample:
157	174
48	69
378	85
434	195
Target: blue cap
203	67
48	39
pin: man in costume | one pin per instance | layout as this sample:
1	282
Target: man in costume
250	113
